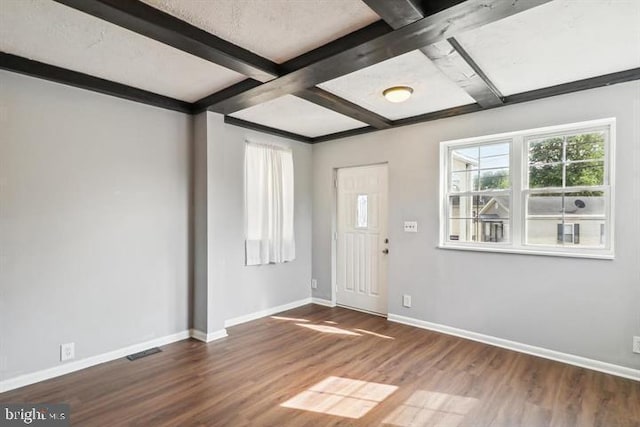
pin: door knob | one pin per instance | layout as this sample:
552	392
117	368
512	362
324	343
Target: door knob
385	251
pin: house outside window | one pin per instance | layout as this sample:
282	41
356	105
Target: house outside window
545	191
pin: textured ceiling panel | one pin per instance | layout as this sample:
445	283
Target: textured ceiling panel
48	32
432	91
296	115
558	42
275	29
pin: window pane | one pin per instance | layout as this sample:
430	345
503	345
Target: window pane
572	218
474	206
494	156
471	230
463	230
583	203
464	181
588	233
548	204
545	175
547	150
587	146
497	179
494	162
362	211
462	207
585	173
464	159
491	150
479	218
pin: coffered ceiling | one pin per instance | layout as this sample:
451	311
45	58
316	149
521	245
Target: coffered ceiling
315	70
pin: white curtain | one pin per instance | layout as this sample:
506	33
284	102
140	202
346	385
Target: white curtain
268	204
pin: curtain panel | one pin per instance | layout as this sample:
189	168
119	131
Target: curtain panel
268	204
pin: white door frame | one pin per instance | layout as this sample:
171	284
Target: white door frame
334	232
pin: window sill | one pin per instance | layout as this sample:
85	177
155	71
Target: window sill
539	252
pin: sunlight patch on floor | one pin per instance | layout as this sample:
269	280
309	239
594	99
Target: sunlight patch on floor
431	409
328	329
293	319
343	397
375	334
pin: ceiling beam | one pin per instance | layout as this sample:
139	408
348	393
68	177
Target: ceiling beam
576	86
447	55
434	28
266	129
84	81
157	25
328	100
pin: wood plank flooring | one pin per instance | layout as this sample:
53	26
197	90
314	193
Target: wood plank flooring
318	366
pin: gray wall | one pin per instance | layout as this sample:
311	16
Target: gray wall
94	223
240	290
578	306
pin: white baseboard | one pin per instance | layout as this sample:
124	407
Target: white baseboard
570	359
67	368
211	336
266	312
322	301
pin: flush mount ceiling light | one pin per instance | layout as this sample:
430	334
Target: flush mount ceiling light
397	93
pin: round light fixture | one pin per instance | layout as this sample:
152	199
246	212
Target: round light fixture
397	93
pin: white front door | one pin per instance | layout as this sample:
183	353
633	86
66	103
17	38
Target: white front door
362	244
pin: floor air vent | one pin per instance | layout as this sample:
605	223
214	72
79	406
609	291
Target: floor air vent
145	353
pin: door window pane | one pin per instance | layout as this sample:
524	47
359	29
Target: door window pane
362	207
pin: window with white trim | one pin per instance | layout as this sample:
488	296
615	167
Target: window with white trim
545	191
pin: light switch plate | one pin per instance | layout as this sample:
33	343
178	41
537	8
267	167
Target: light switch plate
411	226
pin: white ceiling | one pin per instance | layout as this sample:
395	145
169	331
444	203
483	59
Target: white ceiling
432	91
559	42
275	29
298	116
49	32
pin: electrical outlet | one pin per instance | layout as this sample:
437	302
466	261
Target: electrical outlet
314	284
406	300
636	344
67	351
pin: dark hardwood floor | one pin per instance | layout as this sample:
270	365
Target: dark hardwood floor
318	366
